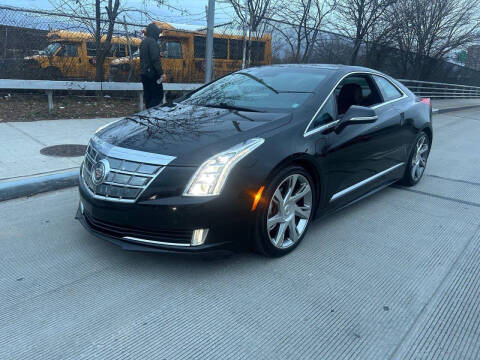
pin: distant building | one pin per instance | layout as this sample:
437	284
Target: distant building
473	57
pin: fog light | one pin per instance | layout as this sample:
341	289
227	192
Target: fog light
81	208
199	236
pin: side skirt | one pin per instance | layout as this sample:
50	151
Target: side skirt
361	197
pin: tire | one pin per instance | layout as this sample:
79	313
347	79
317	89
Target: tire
269	240
417	159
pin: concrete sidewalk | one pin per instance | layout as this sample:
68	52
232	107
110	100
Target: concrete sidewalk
21	142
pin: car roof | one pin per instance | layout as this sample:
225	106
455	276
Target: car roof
339	67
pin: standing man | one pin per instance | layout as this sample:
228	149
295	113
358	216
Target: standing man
151	67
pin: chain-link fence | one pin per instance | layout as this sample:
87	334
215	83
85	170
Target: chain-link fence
53	46
38	44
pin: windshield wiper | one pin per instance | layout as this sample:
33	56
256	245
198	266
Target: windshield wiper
223	105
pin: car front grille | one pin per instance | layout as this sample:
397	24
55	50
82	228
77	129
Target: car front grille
124	181
123	232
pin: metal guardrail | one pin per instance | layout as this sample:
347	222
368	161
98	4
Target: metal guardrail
429	89
50	86
437	90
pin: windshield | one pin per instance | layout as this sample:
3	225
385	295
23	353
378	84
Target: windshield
50	49
268	88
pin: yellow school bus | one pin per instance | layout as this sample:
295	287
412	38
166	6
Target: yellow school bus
71	55
183	55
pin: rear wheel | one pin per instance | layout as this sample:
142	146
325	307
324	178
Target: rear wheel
285	216
417	160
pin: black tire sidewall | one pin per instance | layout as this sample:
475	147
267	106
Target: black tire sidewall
263	243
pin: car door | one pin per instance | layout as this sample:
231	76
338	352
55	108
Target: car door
356	153
393	113
67	60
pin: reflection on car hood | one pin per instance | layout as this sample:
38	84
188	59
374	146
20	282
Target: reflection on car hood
190	133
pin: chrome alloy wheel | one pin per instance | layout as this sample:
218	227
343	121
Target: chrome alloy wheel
289	211
419	160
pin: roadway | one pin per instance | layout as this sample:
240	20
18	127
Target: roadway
396	275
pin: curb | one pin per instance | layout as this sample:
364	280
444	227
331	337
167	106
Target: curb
35	185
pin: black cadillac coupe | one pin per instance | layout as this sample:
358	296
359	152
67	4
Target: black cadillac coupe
251	159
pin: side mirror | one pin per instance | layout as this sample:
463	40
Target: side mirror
358	115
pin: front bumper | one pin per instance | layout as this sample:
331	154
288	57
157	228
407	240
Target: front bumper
167	225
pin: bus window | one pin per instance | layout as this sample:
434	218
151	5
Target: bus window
172	49
220	48
258	51
68	50
236	49
91	48
199	47
121	50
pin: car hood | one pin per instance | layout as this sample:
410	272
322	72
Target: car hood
190	133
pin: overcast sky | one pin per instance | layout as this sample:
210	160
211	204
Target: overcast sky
195	9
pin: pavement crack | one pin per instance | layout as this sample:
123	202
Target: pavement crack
448	198
26	134
454	180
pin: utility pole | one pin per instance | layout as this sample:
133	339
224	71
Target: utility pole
245	29
209	47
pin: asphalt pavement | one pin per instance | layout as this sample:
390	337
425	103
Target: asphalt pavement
395	276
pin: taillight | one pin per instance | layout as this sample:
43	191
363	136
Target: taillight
426	101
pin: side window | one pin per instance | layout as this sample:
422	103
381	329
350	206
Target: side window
326	115
91	48
389	91
172	49
122	50
356	90
199	47
220	48
258	51
68	50
236	49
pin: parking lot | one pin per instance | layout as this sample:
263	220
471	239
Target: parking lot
396	275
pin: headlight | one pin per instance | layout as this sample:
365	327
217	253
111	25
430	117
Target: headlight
211	175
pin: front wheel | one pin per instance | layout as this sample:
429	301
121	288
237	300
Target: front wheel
287	211
417	160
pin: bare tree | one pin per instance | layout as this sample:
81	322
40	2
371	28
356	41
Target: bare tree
379	43
358	17
300	23
428	30
258	13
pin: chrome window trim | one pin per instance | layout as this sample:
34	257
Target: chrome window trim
364	118
129	154
326	126
363	182
153	242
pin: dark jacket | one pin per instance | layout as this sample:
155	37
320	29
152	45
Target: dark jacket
150	63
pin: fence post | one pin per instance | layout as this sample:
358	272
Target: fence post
140	100
50	100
